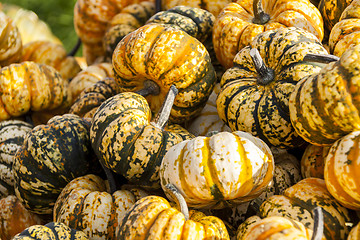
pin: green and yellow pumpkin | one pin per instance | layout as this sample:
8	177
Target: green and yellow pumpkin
255	92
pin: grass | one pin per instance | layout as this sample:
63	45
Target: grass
58	14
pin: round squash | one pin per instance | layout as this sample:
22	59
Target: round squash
239	22
51	156
342	169
218	171
85	204
12	135
29	86
298	201
255	92
163	56
313	161
324	106
50	231
14	217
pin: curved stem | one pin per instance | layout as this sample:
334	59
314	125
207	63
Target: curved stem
75	48
318	224
320	58
157	6
266	75
179	199
150	88
260	17
162	117
110	177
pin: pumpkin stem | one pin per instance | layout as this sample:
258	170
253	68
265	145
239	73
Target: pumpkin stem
75	48
179	199
150	88
318	224
110	177
266	75
157	6
162	117
320	58
260	17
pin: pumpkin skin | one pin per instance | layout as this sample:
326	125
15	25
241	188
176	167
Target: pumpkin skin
153	217
50	231
218	171
324	106
89	76
354	233
341	171
52	54
345	34
234	27
12	135
313	161
30	86
165	64
127	142
245	103
91	98
10	41
272	228
85	204
14	217
298	201
208	120
51	156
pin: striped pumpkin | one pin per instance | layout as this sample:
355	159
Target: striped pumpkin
238	23
298	201
30	86
345	33
313	161
52	54
85	204
12	135
126	140
218	171
255	92
51	156
341	170
50	231
14	217
163	56
325	106
10	41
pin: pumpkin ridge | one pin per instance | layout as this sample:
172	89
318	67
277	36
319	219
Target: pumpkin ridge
258	129
193	17
284	113
76	222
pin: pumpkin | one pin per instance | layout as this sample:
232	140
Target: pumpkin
126	140
51	156
218	171
50	231
129	19
298	201
255	92
344	33
324	105
91	98
89	76
12	135
313	161
341	171
161	55
14	217
10	41
90	21
152	217
29	86
85	204
208	120
52	54
354	233
213	6
331	11
238	23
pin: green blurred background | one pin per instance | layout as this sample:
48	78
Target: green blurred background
58	14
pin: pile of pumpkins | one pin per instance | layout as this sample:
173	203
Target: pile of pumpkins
184	119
